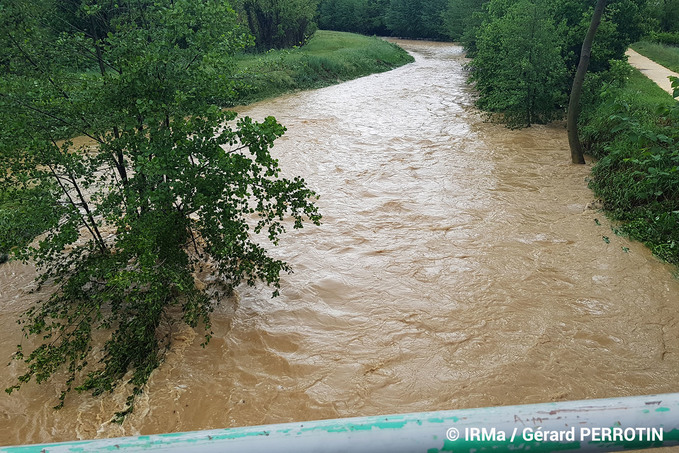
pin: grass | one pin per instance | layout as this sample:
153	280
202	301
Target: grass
635	132
329	57
640	96
662	54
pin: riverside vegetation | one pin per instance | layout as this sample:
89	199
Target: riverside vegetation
327	58
633	129
524	56
165	190
146	82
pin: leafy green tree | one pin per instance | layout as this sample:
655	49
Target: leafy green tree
518	68
277	24
665	13
170	186
622	23
359	16
403	18
416	18
457	16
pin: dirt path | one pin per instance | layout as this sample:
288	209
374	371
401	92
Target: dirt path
659	74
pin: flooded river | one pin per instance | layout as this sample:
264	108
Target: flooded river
459	264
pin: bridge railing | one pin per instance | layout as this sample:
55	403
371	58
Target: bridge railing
588	425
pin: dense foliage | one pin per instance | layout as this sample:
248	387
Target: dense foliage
526	52
663	15
518	68
277	24
431	19
168	184
359	16
634	130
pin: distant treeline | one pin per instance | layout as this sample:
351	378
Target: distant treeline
432	19
453	19
277	24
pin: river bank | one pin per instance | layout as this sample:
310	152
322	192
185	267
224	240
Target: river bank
330	57
632	128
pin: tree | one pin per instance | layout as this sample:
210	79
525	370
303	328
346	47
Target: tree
403	18
574	103
518	67
416	18
457	16
276	24
665	13
170	187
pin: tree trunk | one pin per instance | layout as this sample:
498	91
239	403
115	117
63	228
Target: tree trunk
574	103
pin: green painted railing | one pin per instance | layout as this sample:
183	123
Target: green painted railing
588	425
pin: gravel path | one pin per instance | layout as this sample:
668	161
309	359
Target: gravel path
659	74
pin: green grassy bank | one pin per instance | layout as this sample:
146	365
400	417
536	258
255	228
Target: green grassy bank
662	54
634	132
329	57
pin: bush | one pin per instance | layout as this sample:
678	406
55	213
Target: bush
635	131
671	39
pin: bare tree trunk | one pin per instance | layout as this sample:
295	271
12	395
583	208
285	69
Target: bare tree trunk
574	103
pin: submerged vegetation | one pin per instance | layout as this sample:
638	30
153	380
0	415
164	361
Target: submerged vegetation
165	190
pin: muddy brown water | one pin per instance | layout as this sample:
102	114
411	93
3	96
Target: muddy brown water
459	265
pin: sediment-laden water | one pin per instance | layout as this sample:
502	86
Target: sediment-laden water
459	264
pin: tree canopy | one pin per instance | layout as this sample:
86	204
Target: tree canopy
276	24
518	67
169	184
525	52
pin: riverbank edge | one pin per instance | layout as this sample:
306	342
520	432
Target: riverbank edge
328	58
633	131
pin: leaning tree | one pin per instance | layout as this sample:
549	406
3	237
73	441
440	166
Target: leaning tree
574	102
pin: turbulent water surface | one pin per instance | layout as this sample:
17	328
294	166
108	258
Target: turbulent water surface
459	264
